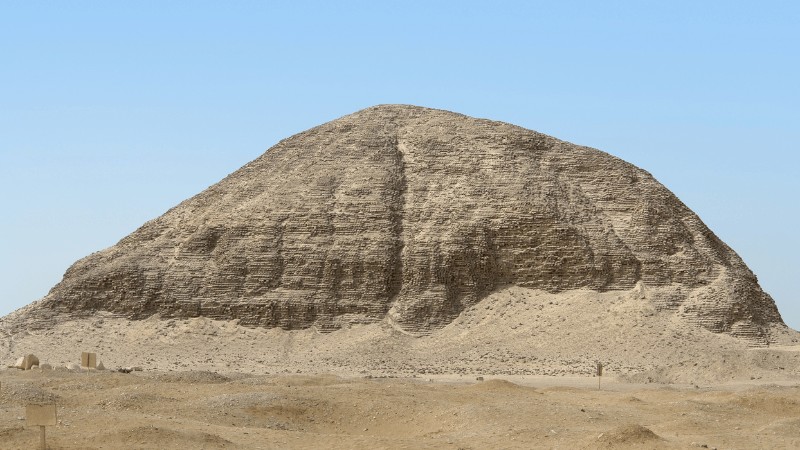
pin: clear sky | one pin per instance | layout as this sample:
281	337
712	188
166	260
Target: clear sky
111	112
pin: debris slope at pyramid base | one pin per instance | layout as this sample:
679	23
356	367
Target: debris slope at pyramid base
512	332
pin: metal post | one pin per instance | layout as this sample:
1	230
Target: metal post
44	441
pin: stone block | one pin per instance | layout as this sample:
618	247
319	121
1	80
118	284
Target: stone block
26	362
88	360
30	361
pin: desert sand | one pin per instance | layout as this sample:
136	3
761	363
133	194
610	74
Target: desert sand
205	410
216	384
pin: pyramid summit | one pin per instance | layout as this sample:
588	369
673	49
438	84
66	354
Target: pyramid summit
410	216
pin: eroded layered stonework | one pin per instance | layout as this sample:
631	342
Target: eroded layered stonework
411	215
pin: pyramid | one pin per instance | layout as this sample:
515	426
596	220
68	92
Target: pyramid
411	215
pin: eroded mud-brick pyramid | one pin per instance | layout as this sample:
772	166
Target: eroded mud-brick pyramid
410	215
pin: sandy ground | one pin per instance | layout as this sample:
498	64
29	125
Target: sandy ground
515	331
215	384
196	409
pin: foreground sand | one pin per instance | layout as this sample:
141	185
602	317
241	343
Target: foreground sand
196	409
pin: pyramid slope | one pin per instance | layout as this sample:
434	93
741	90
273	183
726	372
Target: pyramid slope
413	215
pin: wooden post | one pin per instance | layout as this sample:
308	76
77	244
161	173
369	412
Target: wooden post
599	374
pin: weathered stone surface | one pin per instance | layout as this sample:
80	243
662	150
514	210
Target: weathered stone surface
30	361
88	360
26	362
410	215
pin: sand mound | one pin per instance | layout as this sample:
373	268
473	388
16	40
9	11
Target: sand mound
785	427
760	401
135	400
497	384
632	434
27	393
240	401
200	376
150	437
266	410
308	380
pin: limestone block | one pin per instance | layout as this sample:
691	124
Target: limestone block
88	360
30	361
26	362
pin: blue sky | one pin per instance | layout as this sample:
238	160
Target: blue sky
112	112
